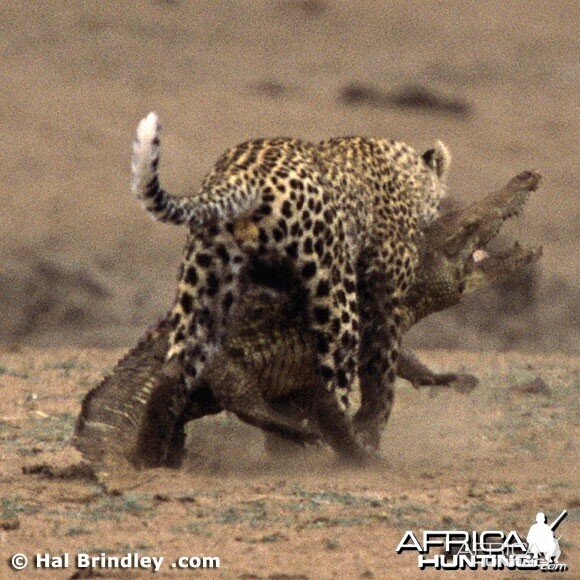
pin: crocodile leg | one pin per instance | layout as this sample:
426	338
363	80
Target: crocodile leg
249	405
200	403
410	368
298	405
419	375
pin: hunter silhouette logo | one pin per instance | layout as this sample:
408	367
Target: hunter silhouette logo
541	538
490	549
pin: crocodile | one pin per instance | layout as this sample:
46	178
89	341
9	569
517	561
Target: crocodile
138	413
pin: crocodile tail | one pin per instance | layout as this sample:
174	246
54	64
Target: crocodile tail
194	211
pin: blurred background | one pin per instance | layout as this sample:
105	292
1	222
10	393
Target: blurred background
83	265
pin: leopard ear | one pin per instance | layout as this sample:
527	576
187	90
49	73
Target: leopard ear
438	159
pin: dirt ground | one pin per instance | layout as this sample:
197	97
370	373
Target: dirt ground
82	265
487	460
83	268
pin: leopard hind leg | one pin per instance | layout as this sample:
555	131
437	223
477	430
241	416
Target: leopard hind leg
211	284
333	319
380	311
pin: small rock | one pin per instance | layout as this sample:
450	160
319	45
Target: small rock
86	573
276	537
478	489
409	97
68	463
272	89
9	524
465	383
418	97
332	544
187	498
536	386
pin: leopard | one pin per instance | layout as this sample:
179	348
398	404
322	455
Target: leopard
337	223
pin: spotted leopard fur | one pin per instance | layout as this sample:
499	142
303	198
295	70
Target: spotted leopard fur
340	219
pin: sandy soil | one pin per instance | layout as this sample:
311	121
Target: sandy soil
83	265
488	460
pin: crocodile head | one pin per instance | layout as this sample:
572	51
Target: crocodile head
454	259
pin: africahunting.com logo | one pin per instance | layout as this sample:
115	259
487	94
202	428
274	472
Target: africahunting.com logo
491	549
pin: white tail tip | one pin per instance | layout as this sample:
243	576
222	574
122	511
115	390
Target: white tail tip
148	128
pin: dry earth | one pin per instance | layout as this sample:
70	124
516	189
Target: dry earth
83	265
488	460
